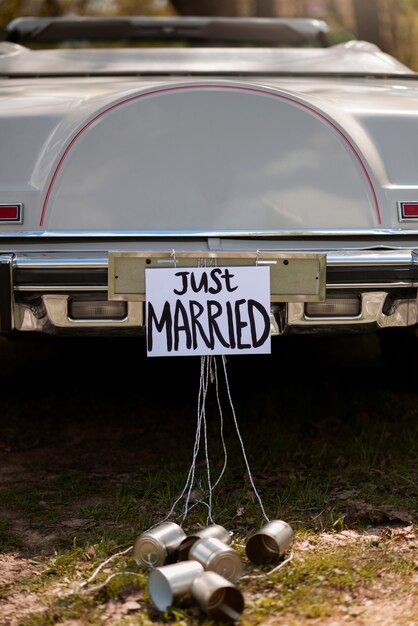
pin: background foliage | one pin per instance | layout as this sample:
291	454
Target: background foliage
391	24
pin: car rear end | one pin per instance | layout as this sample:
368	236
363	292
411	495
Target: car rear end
115	162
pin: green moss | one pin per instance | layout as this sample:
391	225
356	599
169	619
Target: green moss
312	586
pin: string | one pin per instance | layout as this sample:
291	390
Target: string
205	439
214	379
128	573
213	372
188	484
190	476
111	577
225	451
250	476
206	372
104	563
204	381
201	419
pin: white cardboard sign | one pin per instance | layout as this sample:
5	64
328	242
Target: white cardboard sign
208	310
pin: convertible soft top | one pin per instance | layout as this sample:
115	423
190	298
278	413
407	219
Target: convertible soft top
196	46
190	30
354	57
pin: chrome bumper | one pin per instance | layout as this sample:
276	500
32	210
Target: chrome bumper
35	289
402	312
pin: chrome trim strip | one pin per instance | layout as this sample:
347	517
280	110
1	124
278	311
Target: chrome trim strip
401	284
401	216
12	295
334	258
48	288
373	258
100	234
70	263
19	220
370	257
329	286
6	295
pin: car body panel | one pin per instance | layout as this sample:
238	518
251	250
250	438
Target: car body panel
181	158
283	120
204	150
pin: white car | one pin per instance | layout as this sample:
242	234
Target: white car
286	151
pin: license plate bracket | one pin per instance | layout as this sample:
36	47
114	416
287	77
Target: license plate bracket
294	277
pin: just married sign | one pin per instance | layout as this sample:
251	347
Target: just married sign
208	310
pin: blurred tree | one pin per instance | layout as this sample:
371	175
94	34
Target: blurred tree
367	20
9	9
338	12
399	29
142	7
207	7
265	8
51	8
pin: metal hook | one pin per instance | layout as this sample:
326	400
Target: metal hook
257	258
173	255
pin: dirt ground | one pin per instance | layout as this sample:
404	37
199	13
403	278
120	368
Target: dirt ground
95	441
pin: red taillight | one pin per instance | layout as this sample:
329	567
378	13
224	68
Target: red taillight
10	212
409	210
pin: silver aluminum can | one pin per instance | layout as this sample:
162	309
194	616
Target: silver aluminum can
270	542
216	531
217	557
218	597
167	583
159	545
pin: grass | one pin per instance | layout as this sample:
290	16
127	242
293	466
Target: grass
330	454
314	583
310	588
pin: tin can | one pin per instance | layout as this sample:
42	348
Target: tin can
167	583
217	557
218	597
270	542
159	545
215	531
